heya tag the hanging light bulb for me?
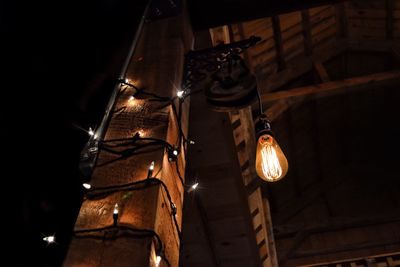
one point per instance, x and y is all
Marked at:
(271, 163)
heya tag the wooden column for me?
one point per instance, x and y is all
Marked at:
(276, 25)
(156, 66)
(305, 21)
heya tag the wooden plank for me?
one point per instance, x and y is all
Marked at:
(389, 19)
(315, 191)
(297, 67)
(341, 20)
(305, 16)
(278, 42)
(322, 73)
(335, 224)
(370, 45)
(336, 86)
(347, 248)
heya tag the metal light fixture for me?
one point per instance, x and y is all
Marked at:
(232, 87)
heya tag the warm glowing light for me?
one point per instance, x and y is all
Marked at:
(87, 186)
(49, 239)
(175, 152)
(131, 98)
(91, 132)
(194, 186)
(191, 142)
(126, 80)
(151, 167)
(271, 163)
(158, 260)
(116, 208)
(180, 93)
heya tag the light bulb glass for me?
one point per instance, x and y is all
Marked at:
(158, 260)
(115, 209)
(194, 186)
(271, 163)
(87, 186)
(151, 167)
(49, 239)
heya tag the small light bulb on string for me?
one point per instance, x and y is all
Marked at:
(115, 214)
(91, 132)
(151, 169)
(116, 208)
(87, 186)
(158, 260)
(49, 239)
(193, 187)
(180, 93)
(173, 154)
(192, 142)
(131, 98)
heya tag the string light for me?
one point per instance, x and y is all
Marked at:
(91, 132)
(136, 145)
(193, 187)
(50, 239)
(115, 209)
(151, 169)
(115, 214)
(158, 260)
(180, 93)
(86, 186)
(191, 142)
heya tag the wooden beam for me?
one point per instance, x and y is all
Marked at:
(335, 224)
(230, 12)
(246, 52)
(315, 191)
(347, 248)
(321, 71)
(334, 87)
(298, 66)
(305, 21)
(276, 26)
(341, 20)
(361, 44)
(389, 19)
(395, 52)
(207, 230)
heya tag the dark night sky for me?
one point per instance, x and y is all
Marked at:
(60, 60)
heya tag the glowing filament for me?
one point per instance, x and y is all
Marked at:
(271, 163)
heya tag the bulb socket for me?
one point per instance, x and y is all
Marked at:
(263, 126)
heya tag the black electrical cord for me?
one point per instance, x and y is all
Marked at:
(259, 102)
(99, 192)
(83, 233)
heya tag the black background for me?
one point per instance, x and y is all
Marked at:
(60, 61)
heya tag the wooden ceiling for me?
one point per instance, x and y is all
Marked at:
(329, 78)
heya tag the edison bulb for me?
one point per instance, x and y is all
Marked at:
(271, 163)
